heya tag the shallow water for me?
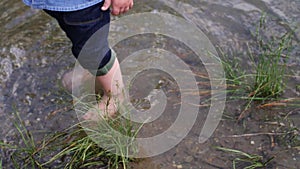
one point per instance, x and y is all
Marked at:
(35, 53)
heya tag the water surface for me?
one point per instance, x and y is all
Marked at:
(35, 53)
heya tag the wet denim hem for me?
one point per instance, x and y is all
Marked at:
(104, 70)
(62, 9)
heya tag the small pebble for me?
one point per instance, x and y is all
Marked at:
(252, 142)
(179, 166)
(161, 82)
(188, 159)
(27, 123)
(38, 119)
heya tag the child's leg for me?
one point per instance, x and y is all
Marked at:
(112, 85)
(79, 26)
(110, 77)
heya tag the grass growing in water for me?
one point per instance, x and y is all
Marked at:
(270, 67)
(232, 70)
(264, 83)
(266, 80)
(252, 160)
(73, 148)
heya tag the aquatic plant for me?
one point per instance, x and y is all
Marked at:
(73, 148)
(251, 161)
(270, 66)
(266, 80)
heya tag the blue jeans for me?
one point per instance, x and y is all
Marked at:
(79, 26)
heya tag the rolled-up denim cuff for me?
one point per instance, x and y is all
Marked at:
(105, 69)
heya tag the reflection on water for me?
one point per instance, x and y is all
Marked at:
(34, 54)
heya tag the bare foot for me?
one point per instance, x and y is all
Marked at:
(107, 108)
(68, 80)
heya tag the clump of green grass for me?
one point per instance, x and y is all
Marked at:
(116, 136)
(235, 76)
(79, 146)
(27, 154)
(266, 80)
(268, 62)
(73, 149)
(270, 66)
(251, 161)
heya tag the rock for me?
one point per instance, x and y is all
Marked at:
(27, 123)
(179, 166)
(189, 159)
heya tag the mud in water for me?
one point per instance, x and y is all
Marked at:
(35, 53)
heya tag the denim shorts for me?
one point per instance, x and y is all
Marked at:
(79, 26)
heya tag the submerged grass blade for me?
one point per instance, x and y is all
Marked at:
(271, 68)
(253, 160)
(236, 152)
